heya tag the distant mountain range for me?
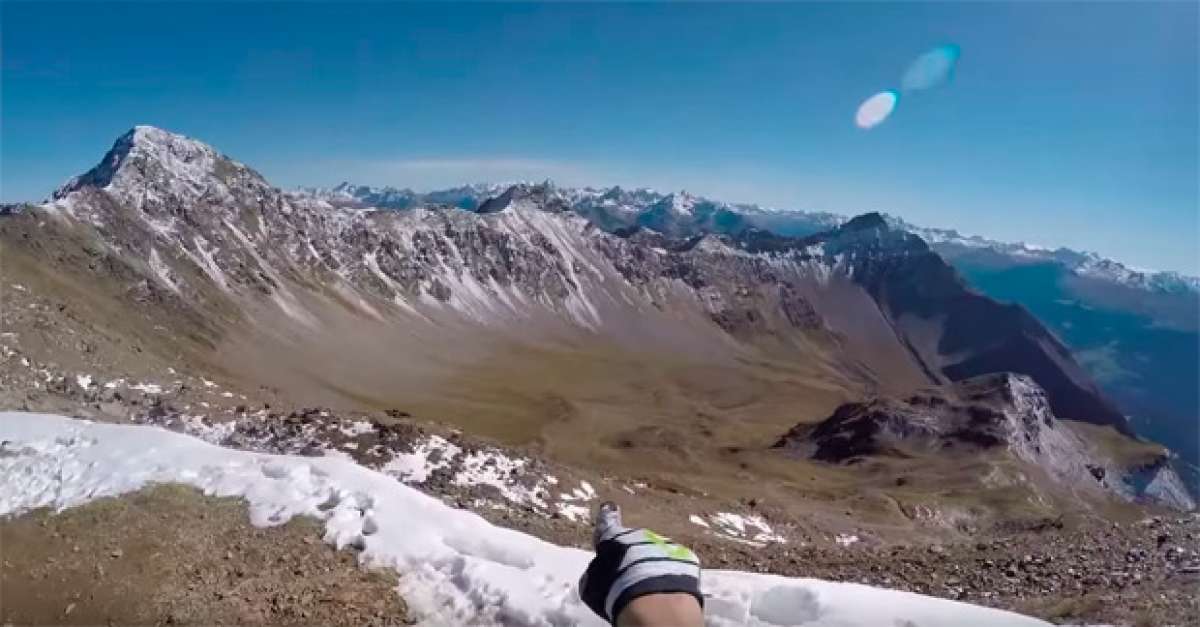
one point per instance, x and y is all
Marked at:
(682, 213)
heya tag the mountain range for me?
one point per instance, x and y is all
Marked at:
(615, 207)
(614, 330)
(1136, 332)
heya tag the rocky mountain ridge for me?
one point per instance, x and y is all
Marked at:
(1082, 263)
(616, 207)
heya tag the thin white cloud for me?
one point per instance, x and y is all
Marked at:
(439, 172)
(502, 163)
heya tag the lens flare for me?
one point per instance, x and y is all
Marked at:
(933, 68)
(876, 109)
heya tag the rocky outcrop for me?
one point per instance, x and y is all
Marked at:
(1158, 482)
(993, 412)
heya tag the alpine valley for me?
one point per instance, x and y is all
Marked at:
(794, 392)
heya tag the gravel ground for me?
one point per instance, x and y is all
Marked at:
(1146, 573)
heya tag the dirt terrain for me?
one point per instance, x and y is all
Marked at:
(169, 555)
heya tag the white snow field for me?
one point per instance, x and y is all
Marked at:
(455, 567)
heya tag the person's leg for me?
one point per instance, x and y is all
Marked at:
(639, 578)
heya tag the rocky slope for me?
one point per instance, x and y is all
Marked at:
(920, 291)
(1139, 573)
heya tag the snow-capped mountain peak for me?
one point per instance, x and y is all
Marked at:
(683, 203)
(149, 166)
(1095, 266)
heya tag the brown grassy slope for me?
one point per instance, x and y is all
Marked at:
(113, 315)
(167, 554)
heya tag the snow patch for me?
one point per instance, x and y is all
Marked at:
(845, 539)
(206, 262)
(428, 456)
(494, 469)
(584, 492)
(573, 513)
(197, 426)
(162, 271)
(749, 529)
(356, 428)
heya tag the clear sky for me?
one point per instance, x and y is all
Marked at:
(1066, 123)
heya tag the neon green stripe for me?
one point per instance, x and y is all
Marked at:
(674, 551)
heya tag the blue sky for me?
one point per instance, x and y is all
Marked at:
(1066, 124)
